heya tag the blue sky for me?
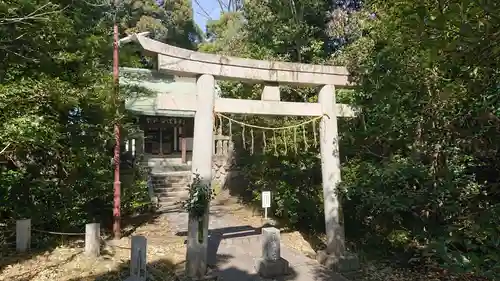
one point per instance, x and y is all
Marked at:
(211, 7)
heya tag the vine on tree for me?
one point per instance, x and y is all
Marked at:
(200, 195)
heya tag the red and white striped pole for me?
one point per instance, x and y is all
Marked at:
(117, 183)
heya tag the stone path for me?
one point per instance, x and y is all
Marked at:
(234, 247)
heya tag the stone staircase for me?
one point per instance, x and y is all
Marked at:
(170, 179)
(170, 189)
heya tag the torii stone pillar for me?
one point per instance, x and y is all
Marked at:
(330, 171)
(196, 255)
(335, 255)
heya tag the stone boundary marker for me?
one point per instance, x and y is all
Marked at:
(138, 253)
(92, 237)
(271, 264)
(138, 259)
(23, 235)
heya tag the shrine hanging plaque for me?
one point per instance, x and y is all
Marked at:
(176, 121)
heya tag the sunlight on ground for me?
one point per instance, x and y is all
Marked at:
(166, 253)
(68, 263)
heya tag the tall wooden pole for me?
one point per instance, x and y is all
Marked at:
(116, 184)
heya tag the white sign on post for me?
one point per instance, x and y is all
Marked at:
(266, 201)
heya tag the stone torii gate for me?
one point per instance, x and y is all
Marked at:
(208, 67)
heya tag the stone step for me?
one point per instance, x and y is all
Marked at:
(166, 164)
(170, 178)
(172, 174)
(176, 168)
(167, 198)
(167, 189)
(173, 194)
(171, 181)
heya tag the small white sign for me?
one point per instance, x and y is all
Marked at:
(266, 199)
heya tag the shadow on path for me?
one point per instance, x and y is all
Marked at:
(164, 270)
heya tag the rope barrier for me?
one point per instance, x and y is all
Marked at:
(271, 128)
(274, 139)
(59, 233)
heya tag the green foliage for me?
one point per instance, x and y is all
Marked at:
(422, 171)
(170, 22)
(57, 116)
(294, 181)
(200, 195)
(420, 163)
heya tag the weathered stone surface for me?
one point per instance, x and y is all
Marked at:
(271, 264)
(330, 172)
(271, 244)
(182, 62)
(138, 271)
(348, 262)
(272, 268)
(92, 239)
(202, 164)
(23, 235)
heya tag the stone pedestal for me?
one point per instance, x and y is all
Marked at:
(271, 264)
(272, 269)
(345, 263)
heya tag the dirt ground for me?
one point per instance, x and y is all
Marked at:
(166, 253)
(68, 263)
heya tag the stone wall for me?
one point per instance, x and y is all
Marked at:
(222, 160)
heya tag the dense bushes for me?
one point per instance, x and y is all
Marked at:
(295, 184)
(421, 162)
(57, 115)
(58, 168)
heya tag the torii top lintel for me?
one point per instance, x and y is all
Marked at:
(190, 63)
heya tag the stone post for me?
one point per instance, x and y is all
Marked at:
(271, 264)
(335, 254)
(330, 170)
(92, 239)
(138, 258)
(196, 255)
(23, 235)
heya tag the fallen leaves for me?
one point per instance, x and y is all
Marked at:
(68, 262)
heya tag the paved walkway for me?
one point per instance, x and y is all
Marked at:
(233, 249)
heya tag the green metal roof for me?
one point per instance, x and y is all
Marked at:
(158, 84)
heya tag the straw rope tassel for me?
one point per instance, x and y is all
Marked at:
(264, 140)
(243, 137)
(251, 134)
(275, 143)
(283, 135)
(314, 133)
(220, 125)
(306, 146)
(271, 128)
(274, 138)
(295, 139)
(215, 122)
